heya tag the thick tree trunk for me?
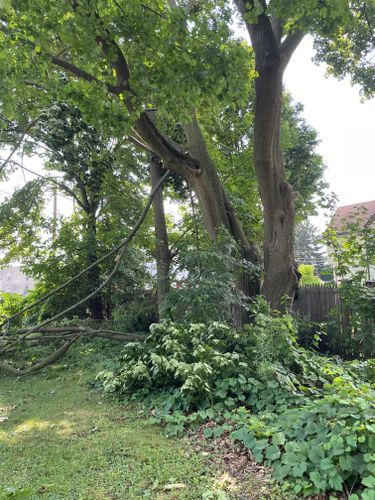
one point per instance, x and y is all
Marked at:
(280, 279)
(163, 258)
(93, 275)
(218, 212)
(272, 56)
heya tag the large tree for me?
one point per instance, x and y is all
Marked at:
(118, 60)
(344, 39)
(94, 172)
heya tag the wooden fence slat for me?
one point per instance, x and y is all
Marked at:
(316, 302)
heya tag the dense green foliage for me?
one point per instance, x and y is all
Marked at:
(95, 88)
(308, 276)
(205, 281)
(311, 418)
(353, 253)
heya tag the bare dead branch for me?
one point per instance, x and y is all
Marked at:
(139, 143)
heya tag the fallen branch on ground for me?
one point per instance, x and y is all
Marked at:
(10, 370)
(60, 333)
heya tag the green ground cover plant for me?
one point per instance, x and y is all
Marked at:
(311, 418)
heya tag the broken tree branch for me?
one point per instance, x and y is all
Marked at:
(118, 259)
(42, 364)
(119, 247)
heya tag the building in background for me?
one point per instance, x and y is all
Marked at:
(363, 216)
(13, 280)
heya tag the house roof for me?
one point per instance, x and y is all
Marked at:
(363, 213)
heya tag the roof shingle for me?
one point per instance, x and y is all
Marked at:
(363, 213)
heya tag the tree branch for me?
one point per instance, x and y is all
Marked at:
(123, 244)
(123, 247)
(62, 186)
(289, 45)
(45, 362)
(146, 128)
(18, 144)
(81, 73)
(262, 36)
(86, 330)
(277, 28)
(139, 143)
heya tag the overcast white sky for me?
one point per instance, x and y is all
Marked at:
(346, 127)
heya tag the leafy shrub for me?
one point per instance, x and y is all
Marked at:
(352, 329)
(11, 303)
(308, 277)
(136, 315)
(208, 291)
(328, 443)
(311, 418)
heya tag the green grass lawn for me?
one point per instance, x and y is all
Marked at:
(61, 440)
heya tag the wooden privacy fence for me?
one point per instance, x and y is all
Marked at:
(316, 302)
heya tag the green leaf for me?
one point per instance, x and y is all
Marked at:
(278, 438)
(369, 481)
(208, 432)
(300, 469)
(290, 458)
(368, 494)
(272, 452)
(335, 482)
(260, 444)
(316, 455)
(326, 464)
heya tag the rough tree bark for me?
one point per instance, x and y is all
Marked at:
(218, 212)
(163, 258)
(272, 55)
(93, 275)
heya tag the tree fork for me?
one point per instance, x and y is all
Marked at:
(272, 55)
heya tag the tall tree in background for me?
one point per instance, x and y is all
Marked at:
(85, 166)
(162, 251)
(344, 38)
(84, 159)
(308, 247)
